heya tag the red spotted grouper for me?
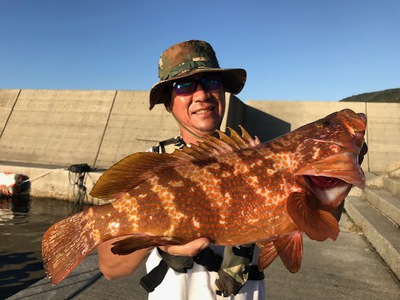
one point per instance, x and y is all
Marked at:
(233, 189)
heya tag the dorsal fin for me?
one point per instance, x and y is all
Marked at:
(134, 169)
(128, 173)
(212, 146)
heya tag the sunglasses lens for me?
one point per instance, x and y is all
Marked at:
(185, 88)
(188, 88)
(210, 84)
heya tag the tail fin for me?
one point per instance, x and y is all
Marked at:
(65, 245)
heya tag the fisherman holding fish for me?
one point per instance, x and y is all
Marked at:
(192, 88)
(232, 189)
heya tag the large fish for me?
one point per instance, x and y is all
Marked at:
(232, 189)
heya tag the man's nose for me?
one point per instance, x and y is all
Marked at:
(200, 94)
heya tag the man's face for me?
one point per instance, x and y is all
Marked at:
(202, 106)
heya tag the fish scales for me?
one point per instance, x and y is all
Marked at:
(233, 190)
(189, 202)
(202, 194)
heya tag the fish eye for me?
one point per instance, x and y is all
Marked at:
(323, 124)
(326, 123)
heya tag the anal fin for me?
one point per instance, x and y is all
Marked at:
(267, 255)
(137, 242)
(290, 250)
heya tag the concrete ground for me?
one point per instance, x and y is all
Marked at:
(347, 268)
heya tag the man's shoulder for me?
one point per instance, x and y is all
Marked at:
(169, 145)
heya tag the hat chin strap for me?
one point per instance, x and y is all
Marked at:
(187, 129)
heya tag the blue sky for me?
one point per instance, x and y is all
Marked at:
(313, 50)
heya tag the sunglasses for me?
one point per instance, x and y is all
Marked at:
(189, 87)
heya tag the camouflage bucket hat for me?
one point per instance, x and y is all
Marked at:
(188, 58)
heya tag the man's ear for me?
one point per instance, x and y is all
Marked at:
(167, 99)
(168, 107)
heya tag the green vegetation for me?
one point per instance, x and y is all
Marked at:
(388, 96)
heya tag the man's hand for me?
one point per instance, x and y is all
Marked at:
(190, 249)
(363, 152)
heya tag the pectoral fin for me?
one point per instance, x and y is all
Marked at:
(317, 224)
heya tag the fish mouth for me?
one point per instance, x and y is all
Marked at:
(331, 179)
(329, 191)
(325, 182)
(332, 170)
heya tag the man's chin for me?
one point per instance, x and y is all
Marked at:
(207, 130)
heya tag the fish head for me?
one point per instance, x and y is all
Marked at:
(328, 156)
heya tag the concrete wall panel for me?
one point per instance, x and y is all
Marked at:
(56, 127)
(298, 113)
(133, 127)
(7, 102)
(384, 136)
(60, 128)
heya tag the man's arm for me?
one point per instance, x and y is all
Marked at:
(114, 266)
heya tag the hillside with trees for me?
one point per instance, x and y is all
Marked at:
(387, 96)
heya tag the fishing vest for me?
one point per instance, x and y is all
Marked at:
(233, 269)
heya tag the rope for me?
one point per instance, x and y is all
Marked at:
(38, 177)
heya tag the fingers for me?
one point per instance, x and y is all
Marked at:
(363, 151)
(337, 213)
(190, 249)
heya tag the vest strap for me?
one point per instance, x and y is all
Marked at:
(153, 279)
(255, 274)
(206, 258)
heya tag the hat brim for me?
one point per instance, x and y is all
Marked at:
(233, 81)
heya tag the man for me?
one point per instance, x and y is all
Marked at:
(192, 87)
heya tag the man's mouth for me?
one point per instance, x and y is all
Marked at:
(204, 111)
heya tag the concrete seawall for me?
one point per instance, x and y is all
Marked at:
(43, 132)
